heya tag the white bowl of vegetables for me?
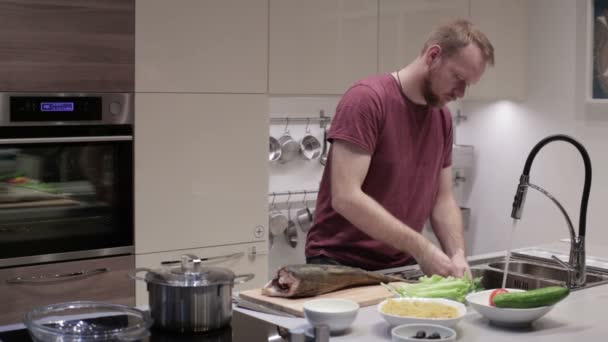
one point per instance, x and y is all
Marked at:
(515, 307)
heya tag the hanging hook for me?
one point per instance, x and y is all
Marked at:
(304, 198)
(308, 126)
(286, 125)
(274, 196)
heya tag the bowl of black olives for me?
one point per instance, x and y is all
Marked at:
(422, 332)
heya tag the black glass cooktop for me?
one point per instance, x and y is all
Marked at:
(242, 328)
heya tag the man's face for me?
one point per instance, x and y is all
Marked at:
(448, 77)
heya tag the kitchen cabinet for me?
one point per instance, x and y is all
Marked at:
(506, 25)
(38, 286)
(238, 258)
(321, 46)
(405, 25)
(201, 170)
(201, 46)
(67, 46)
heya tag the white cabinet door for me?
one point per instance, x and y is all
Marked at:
(321, 46)
(212, 46)
(506, 25)
(406, 24)
(244, 263)
(201, 170)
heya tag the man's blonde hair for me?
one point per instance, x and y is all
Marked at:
(457, 34)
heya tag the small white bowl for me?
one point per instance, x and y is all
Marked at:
(337, 314)
(480, 301)
(394, 320)
(405, 332)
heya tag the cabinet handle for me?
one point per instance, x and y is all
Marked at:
(65, 139)
(56, 277)
(227, 256)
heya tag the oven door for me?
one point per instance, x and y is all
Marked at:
(66, 192)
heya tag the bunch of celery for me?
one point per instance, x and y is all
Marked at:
(437, 286)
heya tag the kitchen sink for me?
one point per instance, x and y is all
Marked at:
(526, 274)
(543, 271)
(547, 271)
(492, 279)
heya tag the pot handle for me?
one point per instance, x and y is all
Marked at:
(133, 274)
(247, 276)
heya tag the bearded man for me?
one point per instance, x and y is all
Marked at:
(389, 167)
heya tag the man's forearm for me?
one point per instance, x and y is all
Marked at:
(446, 221)
(374, 220)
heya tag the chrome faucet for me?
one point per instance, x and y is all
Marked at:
(576, 265)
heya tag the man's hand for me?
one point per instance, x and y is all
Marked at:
(461, 266)
(433, 261)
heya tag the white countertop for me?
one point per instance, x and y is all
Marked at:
(581, 316)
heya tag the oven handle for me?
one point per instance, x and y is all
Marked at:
(66, 139)
(56, 277)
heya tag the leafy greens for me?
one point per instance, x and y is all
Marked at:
(437, 286)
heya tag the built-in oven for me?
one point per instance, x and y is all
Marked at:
(66, 176)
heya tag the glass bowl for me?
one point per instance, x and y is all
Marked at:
(87, 321)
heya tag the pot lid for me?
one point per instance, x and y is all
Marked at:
(191, 274)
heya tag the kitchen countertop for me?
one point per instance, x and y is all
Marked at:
(581, 316)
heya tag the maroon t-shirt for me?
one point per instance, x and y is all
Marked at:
(409, 144)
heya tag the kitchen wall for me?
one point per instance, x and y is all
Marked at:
(504, 133)
(298, 174)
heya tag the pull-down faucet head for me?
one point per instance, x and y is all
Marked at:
(520, 197)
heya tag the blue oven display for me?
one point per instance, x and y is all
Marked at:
(56, 106)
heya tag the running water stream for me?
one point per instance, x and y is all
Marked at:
(508, 259)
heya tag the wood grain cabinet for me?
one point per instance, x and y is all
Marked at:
(202, 46)
(321, 46)
(24, 288)
(237, 258)
(506, 25)
(67, 45)
(201, 170)
(405, 24)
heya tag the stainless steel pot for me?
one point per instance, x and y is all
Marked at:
(289, 147)
(190, 297)
(305, 218)
(274, 149)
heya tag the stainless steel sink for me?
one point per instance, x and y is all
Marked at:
(542, 271)
(547, 271)
(492, 279)
(523, 273)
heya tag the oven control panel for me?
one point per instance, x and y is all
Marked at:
(29, 108)
(24, 109)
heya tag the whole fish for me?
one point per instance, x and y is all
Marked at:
(308, 280)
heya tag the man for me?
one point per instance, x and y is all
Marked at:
(389, 167)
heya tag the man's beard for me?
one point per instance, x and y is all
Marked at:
(427, 92)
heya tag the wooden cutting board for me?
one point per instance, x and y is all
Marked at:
(364, 295)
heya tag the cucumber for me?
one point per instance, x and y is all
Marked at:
(531, 299)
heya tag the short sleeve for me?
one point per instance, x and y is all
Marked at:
(358, 118)
(448, 136)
